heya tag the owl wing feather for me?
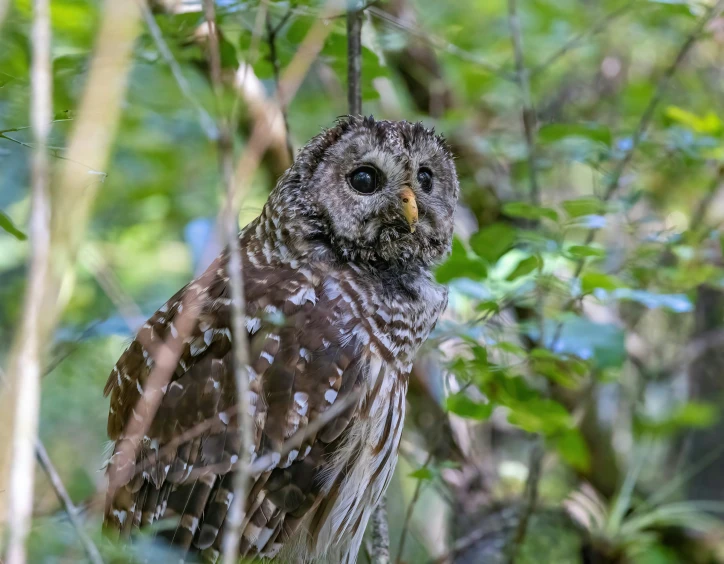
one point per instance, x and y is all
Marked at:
(302, 361)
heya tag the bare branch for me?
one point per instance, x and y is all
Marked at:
(108, 281)
(291, 79)
(25, 367)
(354, 58)
(440, 44)
(165, 360)
(206, 121)
(700, 213)
(4, 6)
(576, 40)
(271, 34)
(528, 112)
(531, 499)
(70, 509)
(263, 463)
(380, 549)
(235, 518)
(410, 509)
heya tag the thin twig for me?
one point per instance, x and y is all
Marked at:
(614, 180)
(265, 462)
(271, 34)
(235, 518)
(70, 509)
(531, 499)
(354, 58)
(206, 121)
(528, 111)
(291, 79)
(576, 40)
(27, 371)
(440, 44)
(410, 510)
(463, 543)
(380, 545)
(703, 206)
(128, 309)
(165, 359)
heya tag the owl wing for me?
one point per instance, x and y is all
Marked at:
(303, 359)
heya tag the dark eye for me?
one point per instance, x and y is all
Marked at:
(424, 177)
(364, 179)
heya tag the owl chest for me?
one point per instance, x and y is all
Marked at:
(363, 466)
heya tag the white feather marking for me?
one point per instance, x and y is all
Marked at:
(120, 515)
(253, 324)
(301, 399)
(172, 328)
(268, 357)
(224, 417)
(330, 395)
(303, 295)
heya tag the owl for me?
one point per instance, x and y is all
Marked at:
(339, 296)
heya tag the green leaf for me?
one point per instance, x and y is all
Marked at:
(540, 415)
(553, 132)
(460, 265)
(707, 124)
(7, 224)
(489, 306)
(528, 211)
(585, 251)
(511, 348)
(422, 474)
(526, 266)
(592, 280)
(584, 206)
(462, 405)
(573, 449)
(691, 415)
(493, 241)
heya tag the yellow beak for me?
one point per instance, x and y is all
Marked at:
(409, 207)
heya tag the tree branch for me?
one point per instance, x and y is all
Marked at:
(354, 58)
(535, 467)
(380, 549)
(25, 371)
(206, 121)
(70, 509)
(528, 112)
(410, 509)
(235, 518)
(271, 32)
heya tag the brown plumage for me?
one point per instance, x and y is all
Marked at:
(339, 297)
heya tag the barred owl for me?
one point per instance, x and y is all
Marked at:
(339, 297)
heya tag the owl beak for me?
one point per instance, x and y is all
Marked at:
(409, 207)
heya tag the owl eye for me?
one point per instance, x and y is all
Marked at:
(364, 179)
(424, 177)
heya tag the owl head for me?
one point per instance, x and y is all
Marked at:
(381, 193)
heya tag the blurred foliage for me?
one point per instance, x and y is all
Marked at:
(602, 347)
